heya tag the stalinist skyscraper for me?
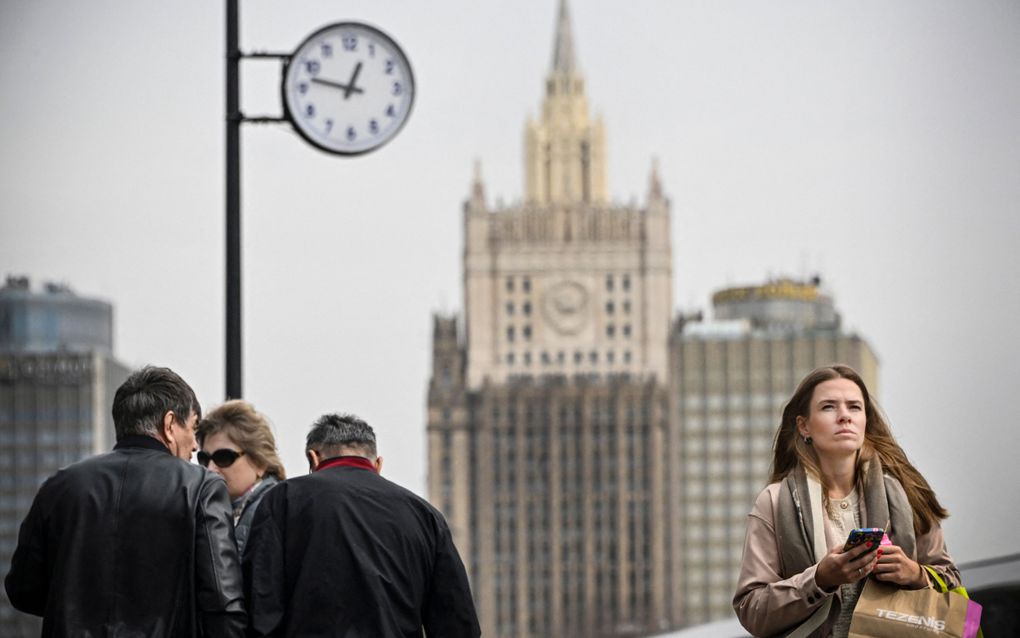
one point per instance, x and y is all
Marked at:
(548, 404)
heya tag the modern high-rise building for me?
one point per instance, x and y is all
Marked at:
(730, 378)
(548, 404)
(57, 380)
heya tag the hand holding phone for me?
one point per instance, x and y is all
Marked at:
(858, 536)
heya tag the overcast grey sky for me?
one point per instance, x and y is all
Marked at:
(876, 143)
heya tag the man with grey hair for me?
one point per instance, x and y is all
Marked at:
(345, 552)
(137, 541)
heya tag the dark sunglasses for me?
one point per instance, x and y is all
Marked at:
(224, 457)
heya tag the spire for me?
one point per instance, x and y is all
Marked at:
(564, 151)
(654, 182)
(477, 186)
(563, 49)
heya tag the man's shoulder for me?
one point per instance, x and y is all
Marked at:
(85, 467)
(356, 480)
(144, 461)
(414, 502)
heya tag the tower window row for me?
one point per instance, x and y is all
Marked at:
(511, 333)
(525, 284)
(611, 307)
(612, 281)
(624, 330)
(560, 358)
(525, 308)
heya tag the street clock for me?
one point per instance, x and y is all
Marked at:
(348, 88)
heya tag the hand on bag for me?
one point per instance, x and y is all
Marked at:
(894, 566)
(839, 567)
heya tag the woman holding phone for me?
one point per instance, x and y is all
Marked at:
(836, 467)
(237, 443)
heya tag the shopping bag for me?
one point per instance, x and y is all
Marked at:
(885, 610)
(972, 626)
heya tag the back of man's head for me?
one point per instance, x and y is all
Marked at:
(143, 400)
(341, 434)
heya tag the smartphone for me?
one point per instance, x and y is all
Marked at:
(858, 536)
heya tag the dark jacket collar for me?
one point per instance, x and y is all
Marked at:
(346, 461)
(142, 441)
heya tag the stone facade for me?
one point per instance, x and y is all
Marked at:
(548, 405)
(596, 460)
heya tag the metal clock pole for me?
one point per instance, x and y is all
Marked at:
(234, 119)
(233, 194)
(393, 71)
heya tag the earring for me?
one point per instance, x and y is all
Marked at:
(807, 440)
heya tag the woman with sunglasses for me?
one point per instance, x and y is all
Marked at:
(237, 443)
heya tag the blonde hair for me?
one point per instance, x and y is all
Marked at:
(790, 449)
(248, 429)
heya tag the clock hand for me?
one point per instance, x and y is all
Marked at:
(350, 85)
(345, 87)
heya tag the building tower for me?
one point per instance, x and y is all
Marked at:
(548, 404)
(730, 379)
(57, 380)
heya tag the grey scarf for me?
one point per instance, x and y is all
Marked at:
(885, 505)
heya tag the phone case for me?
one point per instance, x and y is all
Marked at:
(858, 536)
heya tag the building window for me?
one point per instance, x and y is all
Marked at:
(526, 332)
(527, 358)
(609, 283)
(561, 357)
(545, 358)
(626, 356)
(526, 307)
(526, 284)
(610, 356)
(610, 308)
(578, 357)
(509, 284)
(510, 358)
(510, 333)
(610, 331)
(626, 282)
(626, 330)
(509, 307)
(626, 307)
(593, 357)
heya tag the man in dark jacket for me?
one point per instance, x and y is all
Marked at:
(135, 542)
(344, 552)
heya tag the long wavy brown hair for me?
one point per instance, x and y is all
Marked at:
(248, 429)
(791, 450)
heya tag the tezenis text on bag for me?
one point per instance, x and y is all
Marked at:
(927, 622)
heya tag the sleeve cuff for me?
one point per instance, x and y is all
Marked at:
(813, 594)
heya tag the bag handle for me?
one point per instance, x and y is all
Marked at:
(942, 587)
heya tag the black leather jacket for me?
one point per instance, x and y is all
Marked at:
(135, 542)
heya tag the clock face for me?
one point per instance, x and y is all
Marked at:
(348, 88)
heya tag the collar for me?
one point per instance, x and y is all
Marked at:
(346, 461)
(142, 441)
